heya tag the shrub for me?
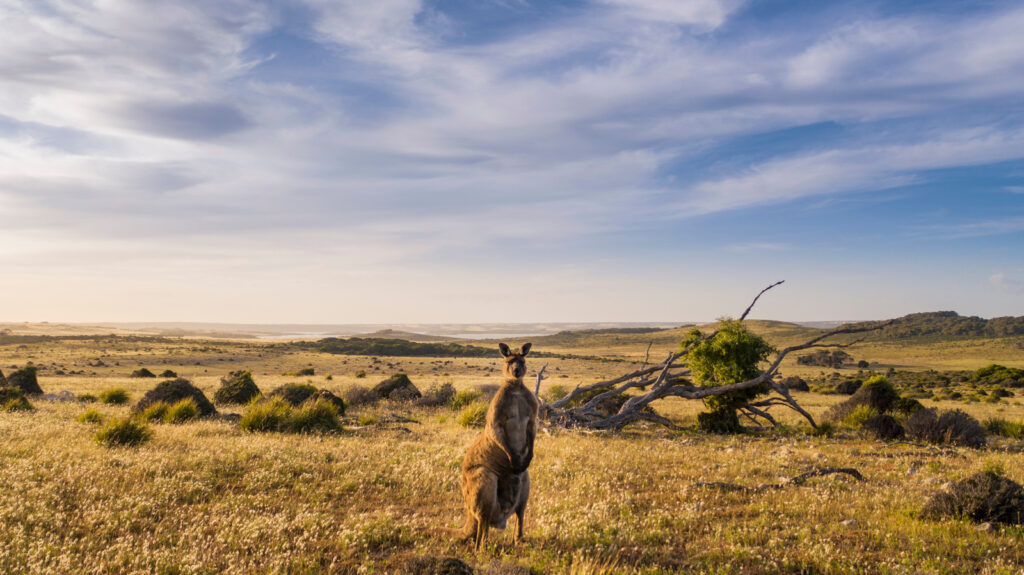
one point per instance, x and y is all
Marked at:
(306, 371)
(848, 387)
(91, 416)
(954, 427)
(438, 395)
(19, 403)
(858, 415)
(155, 411)
(985, 496)
(719, 421)
(25, 379)
(168, 373)
(123, 432)
(474, 415)
(182, 411)
(1000, 426)
(876, 392)
(236, 388)
(114, 396)
(796, 383)
(360, 374)
(88, 398)
(142, 372)
(171, 392)
(907, 406)
(368, 419)
(731, 356)
(863, 364)
(397, 387)
(884, 427)
(556, 392)
(464, 398)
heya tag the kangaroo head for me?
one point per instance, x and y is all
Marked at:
(515, 361)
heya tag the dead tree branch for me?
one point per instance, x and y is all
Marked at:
(672, 381)
(798, 480)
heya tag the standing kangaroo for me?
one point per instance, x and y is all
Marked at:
(495, 480)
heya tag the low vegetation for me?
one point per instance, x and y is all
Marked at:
(123, 432)
(278, 415)
(114, 396)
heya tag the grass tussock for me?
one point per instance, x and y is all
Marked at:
(465, 397)
(277, 415)
(1002, 427)
(114, 396)
(90, 415)
(123, 432)
(237, 388)
(473, 415)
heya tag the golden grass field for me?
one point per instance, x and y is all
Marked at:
(206, 497)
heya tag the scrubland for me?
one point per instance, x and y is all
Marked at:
(378, 497)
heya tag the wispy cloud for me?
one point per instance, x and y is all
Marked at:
(398, 130)
(1008, 283)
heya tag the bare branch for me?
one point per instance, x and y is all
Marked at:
(798, 480)
(540, 377)
(757, 297)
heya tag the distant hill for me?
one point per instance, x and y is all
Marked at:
(397, 347)
(405, 335)
(950, 325)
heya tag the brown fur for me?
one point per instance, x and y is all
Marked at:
(495, 480)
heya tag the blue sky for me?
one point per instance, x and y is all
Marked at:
(507, 160)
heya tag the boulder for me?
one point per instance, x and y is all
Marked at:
(172, 391)
(294, 393)
(25, 380)
(236, 388)
(398, 386)
(982, 497)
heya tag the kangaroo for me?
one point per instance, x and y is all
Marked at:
(495, 480)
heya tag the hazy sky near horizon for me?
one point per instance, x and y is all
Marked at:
(509, 160)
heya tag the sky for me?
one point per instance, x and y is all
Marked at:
(509, 160)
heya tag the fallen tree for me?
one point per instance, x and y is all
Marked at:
(672, 378)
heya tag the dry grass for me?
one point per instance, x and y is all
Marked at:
(206, 497)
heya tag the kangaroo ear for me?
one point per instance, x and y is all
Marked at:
(526, 349)
(505, 351)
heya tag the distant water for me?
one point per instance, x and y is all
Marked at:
(495, 335)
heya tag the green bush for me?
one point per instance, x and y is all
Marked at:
(719, 421)
(182, 411)
(437, 395)
(474, 415)
(907, 406)
(142, 372)
(168, 373)
(464, 398)
(859, 415)
(91, 416)
(155, 411)
(360, 374)
(265, 415)
(25, 379)
(123, 432)
(88, 398)
(114, 396)
(556, 392)
(294, 393)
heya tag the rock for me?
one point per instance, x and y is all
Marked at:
(173, 391)
(294, 393)
(398, 386)
(59, 396)
(236, 388)
(982, 497)
(848, 522)
(985, 527)
(25, 380)
(334, 400)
